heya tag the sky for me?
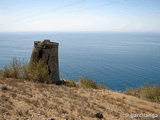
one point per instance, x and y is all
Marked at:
(79, 15)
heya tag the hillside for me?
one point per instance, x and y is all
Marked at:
(21, 99)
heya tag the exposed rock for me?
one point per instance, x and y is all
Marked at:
(61, 82)
(99, 115)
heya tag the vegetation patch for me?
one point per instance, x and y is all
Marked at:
(90, 83)
(35, 71)
(146, 92)
(13, 70)
(38, 72)
(1, 72)
(70, 83)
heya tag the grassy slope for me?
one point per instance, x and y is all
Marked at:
(23, 99)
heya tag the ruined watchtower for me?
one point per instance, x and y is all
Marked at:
(48, 52)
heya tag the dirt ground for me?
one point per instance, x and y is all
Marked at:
(25, 100)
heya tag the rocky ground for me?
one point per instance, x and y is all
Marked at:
(23, 100)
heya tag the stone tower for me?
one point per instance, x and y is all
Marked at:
(48, 52)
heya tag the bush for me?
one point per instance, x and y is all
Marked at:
(90, 83)
(1, 72)
(70, 83)
(13, 70)
(146, 92)
(35, 71)
(101, 86)
(150, 92)
(133, 92)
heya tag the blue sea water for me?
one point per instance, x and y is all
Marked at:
(118, 60)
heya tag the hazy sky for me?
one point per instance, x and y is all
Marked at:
(79, 15)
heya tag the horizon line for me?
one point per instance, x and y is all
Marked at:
(80, 31)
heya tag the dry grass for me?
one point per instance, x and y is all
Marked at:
(21, 99)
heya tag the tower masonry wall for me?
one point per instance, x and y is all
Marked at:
(47, 52)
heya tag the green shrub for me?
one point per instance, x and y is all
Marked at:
(70, 83)
(90, 83)
(150, 92)
(35, 71)
(6, 72)
(133, 92)
(1, 72)
(13, 70)
(146, 92)
(101, 86)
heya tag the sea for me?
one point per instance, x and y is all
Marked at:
(118, 60)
